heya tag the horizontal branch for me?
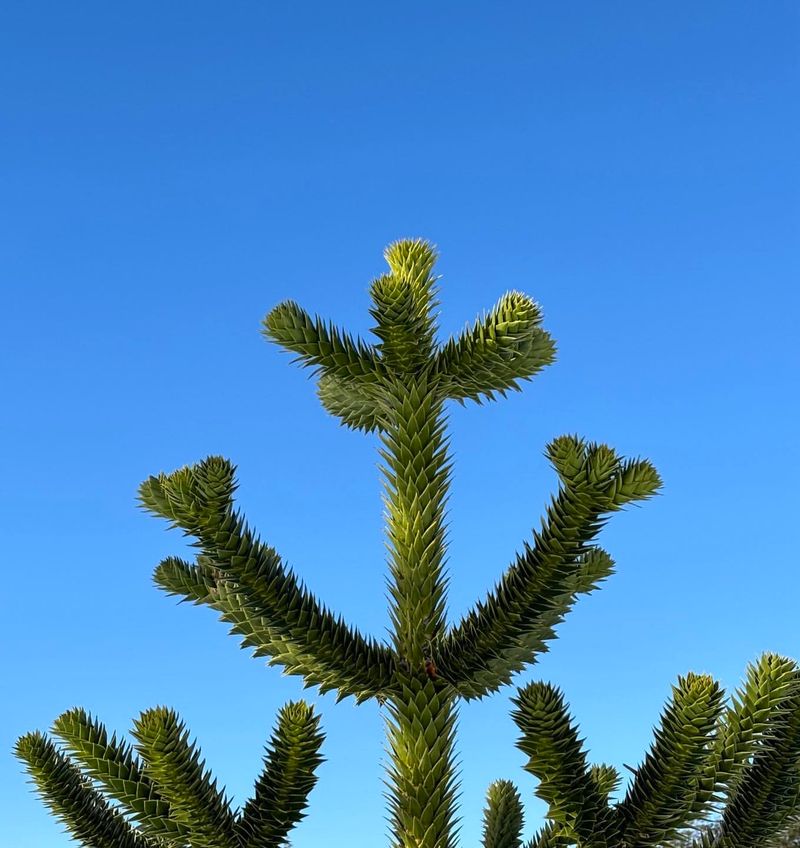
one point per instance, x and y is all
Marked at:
(503, 347)
(319, 345)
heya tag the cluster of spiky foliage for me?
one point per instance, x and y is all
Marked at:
(704, 755)
(397, 388)
(738, 762)
(158, 794)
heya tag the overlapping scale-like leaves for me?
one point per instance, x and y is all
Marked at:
(502, 348)
(503, 816)
(550, 836)
(309, 638)
(663, 793)
(505, 631)
(716, 776)
(755, 712)
(402, 305)
(358, 404)
(112, 764)
(606, 778)
(421, 777)
(202, 583)
(577, 803)
(416, 473)
(766, 797)
(72, 798)
(174, 764)
(282, 790)
(161, 795)
(319, 345)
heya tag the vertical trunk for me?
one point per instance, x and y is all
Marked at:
(422, 773)
(421, 723)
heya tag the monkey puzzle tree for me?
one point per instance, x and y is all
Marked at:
(739, 760)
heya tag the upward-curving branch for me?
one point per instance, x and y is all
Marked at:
(247, 581)
(739, 763)
(505, 632)
(164, 797)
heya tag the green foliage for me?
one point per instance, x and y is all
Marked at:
(576, 799)
(403, 304)
(71, 797)
(505, 346)
(200, 500)
(736, 766)
(286, 781)
(661, 798)
(503, 817)
(112, 764)
(164, 796)
(505, 632)
(173, 763)
(688, 774)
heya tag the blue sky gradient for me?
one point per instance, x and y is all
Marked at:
(172, 171)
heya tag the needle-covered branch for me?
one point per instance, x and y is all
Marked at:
(740, 763)
(358, 403)
(112, 764)
(755, 712)
(767, 796)
(550, 836)
(402, 306)
(503, 816)
(295, 625)
(577, 802)
(663, 794)
(606, 778)
(321, 346)
(69, 794)
(282, 790)
(203, 583)
(174, 764)
(505, 632)
(502, 348)
(166, 792)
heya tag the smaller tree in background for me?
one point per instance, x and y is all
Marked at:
(736, 762)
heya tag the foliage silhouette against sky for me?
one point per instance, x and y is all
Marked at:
(171, 174)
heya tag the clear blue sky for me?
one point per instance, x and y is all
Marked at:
(172, 171)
